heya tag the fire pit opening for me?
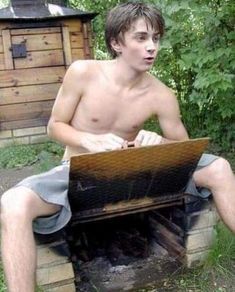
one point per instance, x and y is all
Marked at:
(121, 240)
(130, 252)
(126, 252)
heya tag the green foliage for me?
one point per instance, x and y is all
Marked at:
(152, 125)
(217, 274)
(198, 49)
(196, 59)
(223, 250)
(46, 155)
(3, 287)
(17, 156)
(4, 3)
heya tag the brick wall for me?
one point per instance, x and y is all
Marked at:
(23, 136)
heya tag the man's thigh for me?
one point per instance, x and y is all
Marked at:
(50, 190)
(198, 185)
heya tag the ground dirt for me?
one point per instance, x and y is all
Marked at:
(10, 177)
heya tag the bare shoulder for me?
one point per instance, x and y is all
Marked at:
(85, 68)
(163, 99)
(161, 91)
(79, 74)
(166, 108)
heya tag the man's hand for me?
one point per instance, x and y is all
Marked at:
(145, 138)
(104, 142)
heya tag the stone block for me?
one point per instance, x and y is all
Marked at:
(47, 256)
(64, 288)
(14, 141)
(196, 258)
(196, 220)
(54, 269)
(39, 139)
(20, 140)
(200, 239)
(5, 134)
(6, 142)
(55, 274)
(29, 131)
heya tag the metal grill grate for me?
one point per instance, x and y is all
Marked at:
(133, 178)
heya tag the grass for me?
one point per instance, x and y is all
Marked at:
(217, 273)
(45, 155)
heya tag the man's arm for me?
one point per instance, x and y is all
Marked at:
(169, 118)
(67, 100)
(168, 114)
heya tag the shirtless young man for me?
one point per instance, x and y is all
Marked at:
(100, 106)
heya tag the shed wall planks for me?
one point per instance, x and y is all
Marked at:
(35, 122)
(29, 83)
(35, 31)
(1, 45)
(12, 95)
(2, 62)
(40, 41)
(16, 112)
(40, 59)
(31, 76)
(67, 47)
(6, 39)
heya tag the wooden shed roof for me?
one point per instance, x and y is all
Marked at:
(40, 10)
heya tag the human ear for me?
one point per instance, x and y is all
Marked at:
(115, 44)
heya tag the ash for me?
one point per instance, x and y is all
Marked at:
(119, 255)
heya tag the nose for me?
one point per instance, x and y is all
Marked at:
(150, 49)
(150, 46)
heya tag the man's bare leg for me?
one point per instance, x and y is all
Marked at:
(19, 207)
(219, 178)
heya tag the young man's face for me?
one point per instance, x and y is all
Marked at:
(140, 45)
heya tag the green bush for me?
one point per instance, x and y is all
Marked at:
(47, 155)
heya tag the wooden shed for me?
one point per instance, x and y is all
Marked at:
(38, 41)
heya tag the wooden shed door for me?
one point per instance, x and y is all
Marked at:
(33, 68)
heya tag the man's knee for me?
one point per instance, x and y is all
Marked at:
(215, 174)
(218, 172)
(16, 204)
(219, 169)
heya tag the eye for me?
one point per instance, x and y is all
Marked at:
(156, 38)
(141, 38)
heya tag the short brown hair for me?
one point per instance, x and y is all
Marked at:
(121, 17)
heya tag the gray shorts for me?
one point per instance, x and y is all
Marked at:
(52, 187)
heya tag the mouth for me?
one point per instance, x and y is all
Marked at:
(149, 59)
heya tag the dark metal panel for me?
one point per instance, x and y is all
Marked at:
(29, 10)
(27, 2)
(33, 24)
(19, 50)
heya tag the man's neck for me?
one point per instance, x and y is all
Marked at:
(124, 76)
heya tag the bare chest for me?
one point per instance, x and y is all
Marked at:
(104, 110)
